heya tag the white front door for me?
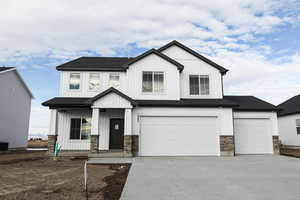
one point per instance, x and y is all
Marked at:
(179, 136)
(253, 136)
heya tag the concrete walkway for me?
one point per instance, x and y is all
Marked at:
(214, 178)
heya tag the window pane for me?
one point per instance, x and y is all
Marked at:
(158, 85)
(204, 85)
(75, 129)
(94, 81)
(147, 82)
(298, 122)
(74, 81)
(85, 128)
(114, 80)
(194, 85)
(298, 130)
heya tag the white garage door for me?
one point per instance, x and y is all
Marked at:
(179, 136)
(253, 136)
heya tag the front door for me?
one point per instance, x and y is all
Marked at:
(116, 132)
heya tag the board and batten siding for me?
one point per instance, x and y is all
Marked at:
(195, 66)
(64, 123)
(84, 91)
(288, 131)
(15, 103)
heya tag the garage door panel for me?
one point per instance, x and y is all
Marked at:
(171, 136)
(253, 136)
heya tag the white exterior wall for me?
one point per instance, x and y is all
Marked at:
(287, 130)
(112, 100)
(153, 63)
(64, 90)
(224, 116)
(195, 66)
(15, 103)
(272, 116)
(64, 123)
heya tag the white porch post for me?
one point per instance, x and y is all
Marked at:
(95, 131)
(52, 135)
(127, 149)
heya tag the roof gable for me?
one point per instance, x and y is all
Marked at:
(194, 53)
(290, 106)
(154, 51)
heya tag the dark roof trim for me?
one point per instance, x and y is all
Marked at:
(290, 106)
(3, 69)
(154, 51)
(194, 53)
(110, 90)
(67, 102)
(105, 69)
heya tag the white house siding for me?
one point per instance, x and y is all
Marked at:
(112, 100)
(84, 91)
(64, 120)
(153, 63)
(15, 104)
(193, 65)
(287, 130)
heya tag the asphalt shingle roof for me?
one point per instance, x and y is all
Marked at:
(251, 103)
(5, 68)
(290, 106)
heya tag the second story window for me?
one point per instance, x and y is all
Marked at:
(199, 85)
(94, 81)
(114, 80)
(153, 82)
(298, 126)
(74, 83)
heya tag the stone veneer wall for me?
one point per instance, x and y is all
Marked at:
(94, 144)
(51, 143)
(276, 144)
(135, 145)
(227, 145)
(127, 149)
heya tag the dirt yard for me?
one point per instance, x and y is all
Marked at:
(290, 152)
(44, 178)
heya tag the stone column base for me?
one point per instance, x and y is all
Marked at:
(276, 144)
(94, 148)
(127, 148)
(51, 143)
(226, 145)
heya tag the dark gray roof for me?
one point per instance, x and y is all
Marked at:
(290, 106)
(95, 64)
(154, 51)
(5, 68)
(208, 61)
(67, 102)
(251, 103)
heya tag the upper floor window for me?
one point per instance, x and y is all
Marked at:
(199, 85)
(298, 126)
(94, 81)
(153, 82)
(74, 83)
(114, 80)
(80, 128)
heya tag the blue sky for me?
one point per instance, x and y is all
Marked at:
(258, 41)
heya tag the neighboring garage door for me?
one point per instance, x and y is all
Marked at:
(179, 136)
(253, 136)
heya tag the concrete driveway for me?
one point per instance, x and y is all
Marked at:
(214, 178)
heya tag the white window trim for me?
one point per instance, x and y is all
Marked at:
(78, 140)
(94, 90)
(199, 95)
(69, 81)
(154, 93)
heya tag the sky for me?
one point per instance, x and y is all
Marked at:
(257, 40)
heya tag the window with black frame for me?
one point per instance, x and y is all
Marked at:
(298, 126)
(80, 128)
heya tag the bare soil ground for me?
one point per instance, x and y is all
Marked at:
(290, 152)
(37, 143)
(63, 179)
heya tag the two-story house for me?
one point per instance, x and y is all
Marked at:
(164, 102)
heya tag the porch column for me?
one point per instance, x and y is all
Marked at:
(128, 132)
(52, 135)
(95, 131)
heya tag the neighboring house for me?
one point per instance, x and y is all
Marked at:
(15, 103)
(289, 122)
(164, 102)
